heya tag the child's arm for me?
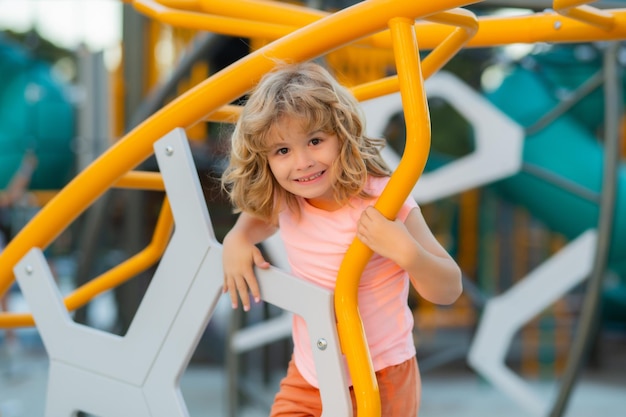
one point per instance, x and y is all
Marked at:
(239, 256)
(434, 273)
(18, 184)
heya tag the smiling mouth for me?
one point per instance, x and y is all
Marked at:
(311, 178)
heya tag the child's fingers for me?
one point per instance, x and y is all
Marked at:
(242, 290)
(253, 284)
(231, 288)
(259, 260)
(242, 284)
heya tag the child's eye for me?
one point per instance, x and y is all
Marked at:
(282, 151)
(316, 141)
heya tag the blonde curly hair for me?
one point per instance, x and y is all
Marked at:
(309, 91)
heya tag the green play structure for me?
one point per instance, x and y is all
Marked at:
(568, 148)
(35, 114)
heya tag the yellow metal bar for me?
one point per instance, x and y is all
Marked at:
(141, 180)
(132, 266)
(216, 24)
(467, 27)
(538, 27)
(579, 10)
(179, 4)
(267, 11)
(349, 325)
(494, 31)
(14, 320)
(226, 114)
(373, 89)
(111, 278)
(43, 196)
(286, 15)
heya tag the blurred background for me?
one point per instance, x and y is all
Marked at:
(75, 76)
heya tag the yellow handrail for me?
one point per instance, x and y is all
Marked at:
(538, 27)
(467, 26)
(141, 180)
(269, 11)
(217, 24)
(114, 276)
(579, 10)
(349, 326)
(228, 114)
(178, 4)
(494, 31)
(488, 31)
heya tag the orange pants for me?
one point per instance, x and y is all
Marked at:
(399, 388)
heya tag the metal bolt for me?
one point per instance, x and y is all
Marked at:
(557, 25)
(169, 150)
(29, 269)
(322, 344)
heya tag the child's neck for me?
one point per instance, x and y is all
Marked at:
(324, 204)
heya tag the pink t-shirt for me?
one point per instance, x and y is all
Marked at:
(316, 244)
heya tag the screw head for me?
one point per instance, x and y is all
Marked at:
(322, 344)
(29, 269)
(169, 150)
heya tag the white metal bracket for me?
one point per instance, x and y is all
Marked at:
(138, 374)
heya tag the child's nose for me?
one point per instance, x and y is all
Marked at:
(305, 160)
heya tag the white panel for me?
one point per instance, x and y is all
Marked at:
(498, 139)
(505, 314)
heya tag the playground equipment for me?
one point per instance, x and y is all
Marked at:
(35, 114)
(138, 373)
(151, 387)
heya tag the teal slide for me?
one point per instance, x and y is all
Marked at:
(568, 149)
(35, 115)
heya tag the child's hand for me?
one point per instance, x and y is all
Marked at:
(239, 258)
(385, 237)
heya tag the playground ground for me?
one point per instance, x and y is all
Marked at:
(448, 391)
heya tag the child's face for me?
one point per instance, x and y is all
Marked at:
(301, 161)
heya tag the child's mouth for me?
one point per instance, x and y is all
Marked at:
(311, 178)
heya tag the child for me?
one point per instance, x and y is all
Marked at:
(301, 163)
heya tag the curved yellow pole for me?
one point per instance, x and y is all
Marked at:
(178, 4)
(579, 10)
(130, 267)
(268, 11)
(467, 26)
(591, 24)
(284, 17)
(537, 27)
(228, 114)
(349, 325)
(216, 24)
(141, 180)
(113, 277)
